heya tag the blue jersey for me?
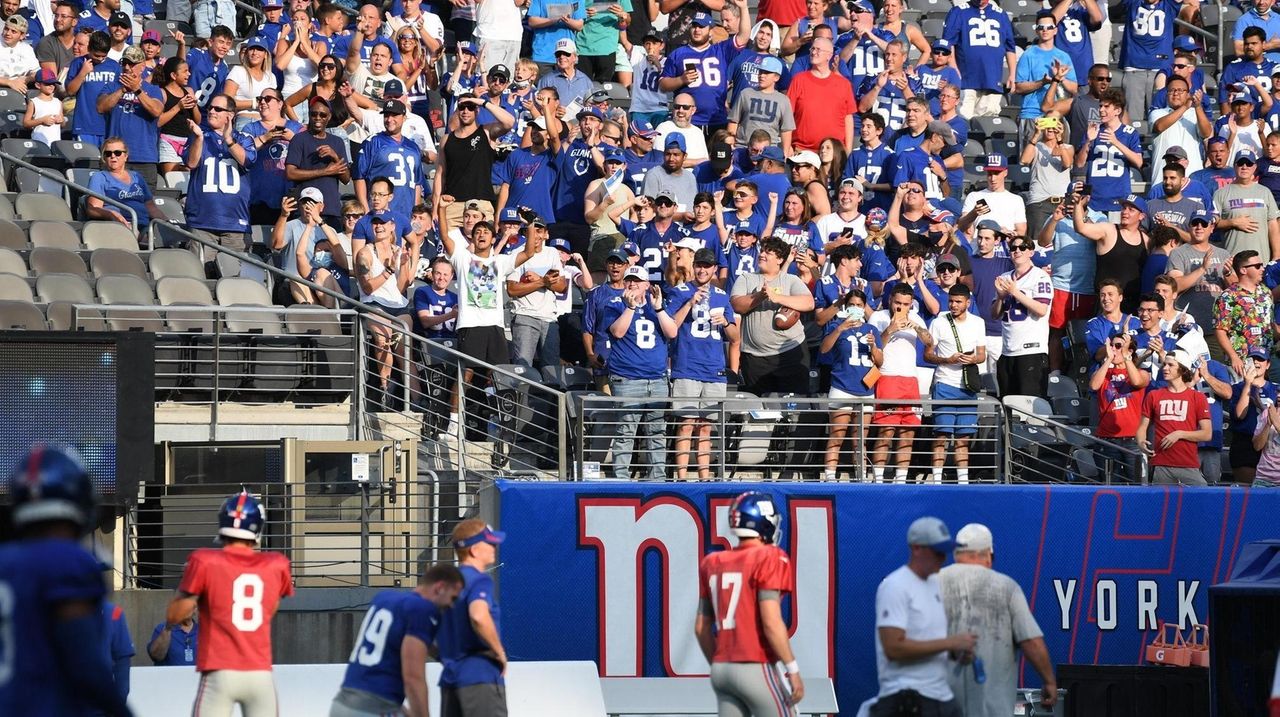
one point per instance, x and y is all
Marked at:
(710, 238)
(574, 171)
(850, 359)
(876, 166)
(374, 665)
(592, 323)
(904, 140)
(1074, 39)
(767, 183)
(530, 180)
(510, 103)
(1147, 43)
(435, 303)
(1247, 423)
(876, 264)
(35, 577)
(87, 120)
(981, 37)
(130, 121)
(641, 353)
(699, 346)
(891, 102)
(266, 172)
(711, 88)
(1107, 171)
(754, 221)
(931, 83)
(207, 77)
(1099, 329)
(746, 73)
(913, 165)
(829, 291)
(1150, 361)
(398, 160)
(219, 189)
(1235, 72)
(867, 59)
(653, 246)
(741, 261)
(638, 165)
(91, 20)
(463, 653)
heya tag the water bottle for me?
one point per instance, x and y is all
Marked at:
(979, 673)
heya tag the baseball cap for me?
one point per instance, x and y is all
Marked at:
(704, 256)
(1176, 152)
(877, 217)
(394, 107)
(537, 221)
(488, 535)
(613, 154)
(665, 195)
(1246, 155)
(947, 259)
(861, 7)
(257, 42)
(380, 218)
(499, 71)
(151, 36)
(806, 157)
(393, 88)
(675, 139)
(654, 35)
(996, 163)
(467, 47)
(1204, 216)
(941, 45)
(567, 46)
(1136, 202)
(689, 243)
(312, 194)
(132, 56)
(618, 255)
(991, 224)
(851, 183)
(598, 97)
(1185, 43)
(630, 248)
(642, 128)
(771, 64)
(269, 4)
(591, 112)
(539, 122)
(771, 153)
(974, 538)
(561, 244)
(721, 157)
(931, 532)
(938, 215)
(636, 272)
(745, 229)
(1187, 361)
(46, 77)
(509, 214)
(1259, 353)
(939, 127)
(118, 19)
(1216, 139)
(1242, 97)
(318, 100)
(702, 19)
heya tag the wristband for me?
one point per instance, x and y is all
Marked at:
(792, 668)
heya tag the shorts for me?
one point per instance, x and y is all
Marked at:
(1242, 453)
(897, 388)
(845, 401)
(693, 388)
(487, 699)
(485, 343)
(1068, 307)
(172, 149)
(394, 311)
(950, 418)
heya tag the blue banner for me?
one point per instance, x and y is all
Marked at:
(608, 572)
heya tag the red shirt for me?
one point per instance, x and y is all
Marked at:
(1119, 405)
(732, 581)
(1171, 412)
(820, 107)
(783, 12)
(239, 589)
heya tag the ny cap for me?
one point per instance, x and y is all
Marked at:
(974, 538)
(930, 532)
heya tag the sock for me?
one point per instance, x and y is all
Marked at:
(828, 475)
(937, 476)
(962, 476)
(878, 472)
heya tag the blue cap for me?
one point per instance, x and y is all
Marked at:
(857, 6)
(467, 47)
(1136, 202)
(996, 163)
(619, 256)
(1259, 353)
(1245, 154)
(931, 533)
(510, 214)
(1217, 139)
(488, 535)
(771, 152)
(393, 88)
(1271, 274)
(631, 248)
(675, 139)
(613, 154)
(591, 112)
(702, 19)
(942, 44)
(771, 64)
(1185, 43)
(642, 128)
(1201, 215)
(561, 244)
(257, 42)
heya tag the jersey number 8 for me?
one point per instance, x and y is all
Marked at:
(246, 602)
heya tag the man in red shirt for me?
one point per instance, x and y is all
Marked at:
(1119, 385)
(237, 589)
(739, 624)
(1181, 417)
(822, 101)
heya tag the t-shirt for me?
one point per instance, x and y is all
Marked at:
(901, 348)
(699, 345)
(1007, 208)
(731, 582)
(135, 193)
(1075, 259)
(821, 106)
(876, 166)
(1238, 200)
(574, 172)
(540, 304)
(374, 665)
(1169, 412)
(530, 180)
(913, 605)
(267, 172)
(1024, 334)
(1198, 299)
(1034, 64)
(238, 589)
(87, 120)
(759, 337)
(992, 605)
(1119, 405)
(18, 60)
(973, 333)
(1268, 471)
(755, 110)
(461, 650)
(545, 39)
(303, 155)
(985, 271)
(482, 286)
(1183, 133)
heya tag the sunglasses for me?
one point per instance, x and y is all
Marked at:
(212, 108)
(328, 66)
(407, 37)
(914, 190)
(1045, 28)
(114, 152)
(1252, 266)
(947, 268)
(1180, 66)
(1019, 247)
(267, 98)
(354, 215)
(741, 195)
(1100, 78)
(682, 107)
(613, 137)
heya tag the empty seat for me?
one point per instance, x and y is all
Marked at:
(176, 180)
(12, 236)
(108, 235)
(172, 210)
(186, 291)
(235, 291)
(21, 315)
(1032, 410)
(105, 262)
(131, 291)
(11, 263)
(15, 288)
(272, 358)
(24, 148)
(12, 100)
(47, 259)
(6, 210)
(175, 262)
(77, 154)
(328, 354)
(58, 235)
(62, 292)
(43, 206)
(988, 127)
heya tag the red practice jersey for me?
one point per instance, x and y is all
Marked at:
(1171, 412)
(239, 590)
(732, 580)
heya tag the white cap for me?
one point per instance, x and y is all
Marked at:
(636, 272)
(974, 538)
(1185, 359)
(689, 243)
(805, 157)
(312, 194)
(566, 45)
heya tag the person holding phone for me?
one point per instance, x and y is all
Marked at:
(902, 332)
(271, 134)
(852, 357)
(1023, 299)
(533, 295)
(959, 341)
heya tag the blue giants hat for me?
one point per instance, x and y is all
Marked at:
(702, 19)
(771, 64)
(1136, 202)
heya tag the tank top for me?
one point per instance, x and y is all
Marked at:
(340, 115)
(1123, 264)
(469, 165)
(177, 125)
(388, 294)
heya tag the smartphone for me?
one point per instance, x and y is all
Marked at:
(690, 65)
(982, 203)
(848, 231)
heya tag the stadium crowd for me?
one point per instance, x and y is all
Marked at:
(685, 195)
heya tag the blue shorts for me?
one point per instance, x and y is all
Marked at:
(958, 420)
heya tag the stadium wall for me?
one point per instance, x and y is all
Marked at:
(608, 572)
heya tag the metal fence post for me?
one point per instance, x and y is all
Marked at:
(364, 530)
(562, 429)
(460, 427)
(217, 382)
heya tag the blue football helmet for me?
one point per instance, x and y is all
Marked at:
(241, 516)
(755, 515)
(52, 483)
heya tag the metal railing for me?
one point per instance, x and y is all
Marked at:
(1040, 449)
(68, 184)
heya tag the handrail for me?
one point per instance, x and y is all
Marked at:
(60, 179)
(252, 10)
(1220, 37)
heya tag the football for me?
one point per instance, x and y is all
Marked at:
(785, 318)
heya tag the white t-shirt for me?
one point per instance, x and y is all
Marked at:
(369, 84)
(498, 20)
(1022, 333)
(564, 300)
(425, 24)
(900, 349)
(829, 224)
(249, 88)
(913, 605)
(694, 142)
(540, 304)
(17, 60)
(1183, 133)
(482, 287)
(973, 333)
(646, 75)
(1007, 208)
(300, 72)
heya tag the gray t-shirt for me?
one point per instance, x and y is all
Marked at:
(683, 186)
(51, 49)
(769, 111)
(990, 604)
(759, 337)
(1176, 213)
(1198, 299)
(1253, 200)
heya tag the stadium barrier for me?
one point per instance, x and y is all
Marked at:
(693, 696)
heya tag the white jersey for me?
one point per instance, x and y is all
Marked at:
(1022, 333)
(830, 225)
(645, 95)
(1007, 208)
(900, 349)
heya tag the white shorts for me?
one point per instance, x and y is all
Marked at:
(221, 690)
(169, 148)
(843, 400)
(690, 388)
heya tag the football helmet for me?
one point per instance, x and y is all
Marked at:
(241, 516)
(52, 483)
(755, 515)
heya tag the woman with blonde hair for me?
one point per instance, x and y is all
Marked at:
(247, 80)
(419, 70)
(1050, 159)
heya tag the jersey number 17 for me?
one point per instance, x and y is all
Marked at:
(730, 583)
